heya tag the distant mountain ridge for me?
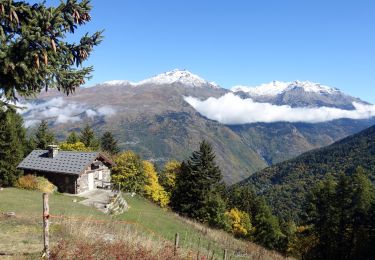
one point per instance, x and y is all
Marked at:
(175, 76)
(277, 87)
(152, 118)
(298, 94)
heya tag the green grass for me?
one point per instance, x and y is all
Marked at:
(25, 202)
(165, 224)
(23, 234)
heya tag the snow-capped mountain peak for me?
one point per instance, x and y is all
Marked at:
(178, 76)
(312, 87)
(266, 89)
(116, 82)
(184, 77)
(275, 88)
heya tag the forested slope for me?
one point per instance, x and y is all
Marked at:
(286, 184)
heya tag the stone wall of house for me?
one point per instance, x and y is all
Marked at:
(102, 173)
(83, 183)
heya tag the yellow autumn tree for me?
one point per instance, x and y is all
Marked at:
(129, 174)
(239, 221)
(168, 175)
(78, 146)
(153, 190)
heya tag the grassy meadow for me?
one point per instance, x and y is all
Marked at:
(144, 226)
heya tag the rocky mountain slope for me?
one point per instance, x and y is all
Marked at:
(286, 184)
(153, 118)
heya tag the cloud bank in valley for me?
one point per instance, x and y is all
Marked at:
(232, 110)
(60, 111)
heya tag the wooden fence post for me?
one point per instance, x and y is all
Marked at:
(208, 250)
(176, 241)
(199, 247)
(46, 225)
(225, 254)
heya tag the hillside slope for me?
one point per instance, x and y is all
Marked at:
(285, 185)
(143, 226)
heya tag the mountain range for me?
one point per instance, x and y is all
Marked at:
(166, 116)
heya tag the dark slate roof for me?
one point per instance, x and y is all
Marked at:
(69, 162)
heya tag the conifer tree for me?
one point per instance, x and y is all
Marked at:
(72, 138)
(87, 137)
(43, 136)
(12, 142)
(340, 213)
(198, 186)
(34, 52)
(109, 144)
(323, 215)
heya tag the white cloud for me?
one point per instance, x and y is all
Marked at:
(62, 119)
(60, 111)
(31, 122)
(231, 109)
(106, 111)
(91, 113)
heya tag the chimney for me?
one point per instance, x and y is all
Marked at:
(52, 150)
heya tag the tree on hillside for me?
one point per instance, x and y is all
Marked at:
(87, 137)
(12, 145)
(169, 175)
(267, 227)
(339, 214)
(43, 136)
(128, 174)
(108, 143)
(153, 190)
(72, 138)
(244, 198)
(34, 53)
(78, 146)
(197, 192)
(239, 221)
(267, 231)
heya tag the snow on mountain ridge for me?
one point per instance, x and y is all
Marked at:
(175, 76)
(182, 76)
(189, 79)
(275, 88)
(116, 82)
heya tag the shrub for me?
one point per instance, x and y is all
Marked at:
(45, 185)
(32, 182)
(27, 182)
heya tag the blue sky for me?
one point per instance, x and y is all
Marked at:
(236, 42)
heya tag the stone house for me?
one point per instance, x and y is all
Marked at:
(70, 171)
